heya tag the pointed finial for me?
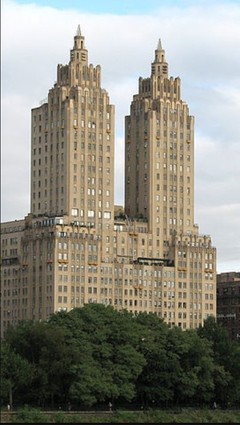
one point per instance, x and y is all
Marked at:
(78, 31)
(159, 47)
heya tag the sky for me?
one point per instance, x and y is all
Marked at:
(201, 40)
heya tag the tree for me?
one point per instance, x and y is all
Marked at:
(227, 370)
(198, 364)
(154, 384)
(44, 346)
(15, 372)
(110, 368)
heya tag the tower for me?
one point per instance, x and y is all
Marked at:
(159, 157)
(73, 247)
(72, 164)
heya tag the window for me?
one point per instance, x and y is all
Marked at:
(107, 215)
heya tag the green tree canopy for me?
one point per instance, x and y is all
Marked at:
(15, 372)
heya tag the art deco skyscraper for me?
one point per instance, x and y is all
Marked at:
(74, 247)
(159, 157)
(73, 145)
(159, 190)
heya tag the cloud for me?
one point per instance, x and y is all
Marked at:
(201, 42)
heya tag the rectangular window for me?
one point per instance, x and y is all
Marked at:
(107, 215)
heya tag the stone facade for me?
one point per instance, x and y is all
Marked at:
(75, 246)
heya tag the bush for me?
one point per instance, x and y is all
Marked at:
(59, 418)
(30, 415)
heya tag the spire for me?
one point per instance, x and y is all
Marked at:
(79, 52)
(78, 31)
(159, 65)
(159, 47)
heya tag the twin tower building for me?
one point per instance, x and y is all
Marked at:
(75, 246)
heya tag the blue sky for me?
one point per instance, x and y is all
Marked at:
(120, 6)
(105, 6)
(202, 45)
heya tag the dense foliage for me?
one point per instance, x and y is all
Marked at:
(94, 355)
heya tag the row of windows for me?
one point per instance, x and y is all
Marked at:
(195, 255)
(89, 124)
(145, 293)
(91, 159)
(90, 136)
(145, 303)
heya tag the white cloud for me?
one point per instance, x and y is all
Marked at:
(201, 44)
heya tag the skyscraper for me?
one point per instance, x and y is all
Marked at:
(159, 173)
(74, 247)
(72, 164)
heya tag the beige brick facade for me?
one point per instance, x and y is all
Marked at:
(75, 246)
